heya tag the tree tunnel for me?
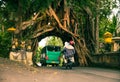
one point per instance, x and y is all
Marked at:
(81, 50)
(63, 36)
(62, 22)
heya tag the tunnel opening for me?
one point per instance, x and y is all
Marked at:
(58, 21)
(55, 38)
(51, 40)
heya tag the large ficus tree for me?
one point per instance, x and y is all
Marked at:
(75, 19)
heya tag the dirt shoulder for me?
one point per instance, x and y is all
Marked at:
(11, 71)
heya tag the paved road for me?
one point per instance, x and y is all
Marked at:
(57, 74)
(84, 74)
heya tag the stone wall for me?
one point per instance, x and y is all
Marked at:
(108, 59)
(21, 56)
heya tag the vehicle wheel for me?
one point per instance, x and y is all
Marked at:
(70, 67)
(56, 65)
(53, 65)
(44, 64)
(66, 67)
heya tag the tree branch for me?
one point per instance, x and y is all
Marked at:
(52, 12)
(25, 24)
(42, 31)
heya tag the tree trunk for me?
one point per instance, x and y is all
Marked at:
(64, 24)
(97, 26)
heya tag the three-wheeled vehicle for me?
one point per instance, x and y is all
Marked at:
(50, 55)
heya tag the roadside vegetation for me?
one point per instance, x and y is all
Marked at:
(84, 21)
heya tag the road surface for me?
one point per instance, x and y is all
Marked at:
(59, 74)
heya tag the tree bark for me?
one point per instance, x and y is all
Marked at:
(97, 26)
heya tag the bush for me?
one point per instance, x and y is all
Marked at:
(5, 44)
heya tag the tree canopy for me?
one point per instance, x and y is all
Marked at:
(79, 20)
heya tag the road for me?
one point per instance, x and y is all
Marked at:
(60, 74)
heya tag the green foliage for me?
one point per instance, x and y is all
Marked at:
(36, 58)
(55, 41)
(92, 16)
(106, 6)
(11, 10)
(107, 25)
(5, 44)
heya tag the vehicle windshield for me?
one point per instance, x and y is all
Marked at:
(53, 48)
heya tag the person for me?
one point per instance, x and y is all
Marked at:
(72, 42)
(68, 55)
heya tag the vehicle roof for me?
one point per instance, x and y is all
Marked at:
(50, 47)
